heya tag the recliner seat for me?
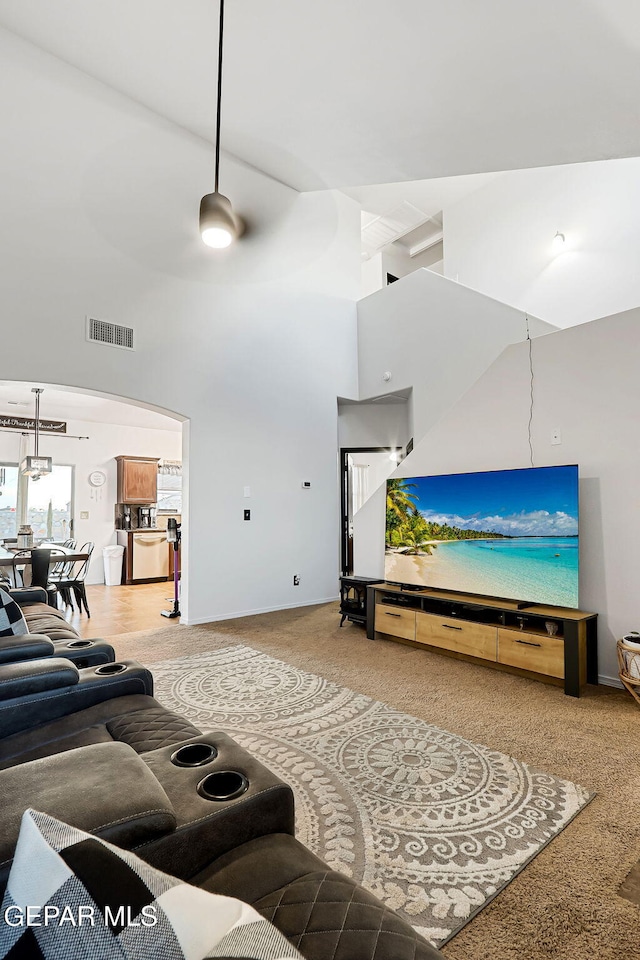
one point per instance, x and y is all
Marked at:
(46, 621)
(137, 720)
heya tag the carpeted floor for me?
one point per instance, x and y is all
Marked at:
(431, 823)
(565, 903)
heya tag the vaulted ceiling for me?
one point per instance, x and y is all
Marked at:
(350, 92)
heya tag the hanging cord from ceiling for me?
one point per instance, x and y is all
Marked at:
(219, 96)
(530, 343)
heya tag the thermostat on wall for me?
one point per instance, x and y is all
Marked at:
(306, 485)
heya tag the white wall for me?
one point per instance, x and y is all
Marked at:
(396, 259)
(373, 424)
(435, 336)
(252, 347)
(105, 442)
(586, 386)
(372, 278)
(499, 240)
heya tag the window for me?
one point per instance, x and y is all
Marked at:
(49, 500)
(8, 500)
(169, 487)
(45, 504)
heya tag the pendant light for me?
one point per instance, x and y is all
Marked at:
(219, 226)
(36, 466)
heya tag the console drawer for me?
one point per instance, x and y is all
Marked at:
(460, 636)
(531, 651)
(396, 621)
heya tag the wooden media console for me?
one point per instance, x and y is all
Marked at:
(503, 634)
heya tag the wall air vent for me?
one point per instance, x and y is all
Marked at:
(113, 334)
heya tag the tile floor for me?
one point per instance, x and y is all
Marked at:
(123, 609)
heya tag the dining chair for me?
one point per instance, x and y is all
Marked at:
(44, 560)
(21, 578)
(72, 581)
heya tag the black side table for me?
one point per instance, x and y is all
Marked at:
(353, 598)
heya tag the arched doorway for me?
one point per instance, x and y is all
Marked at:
(83, 432)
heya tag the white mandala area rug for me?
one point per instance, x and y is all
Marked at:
(432, 824)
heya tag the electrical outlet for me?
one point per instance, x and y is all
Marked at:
(556, 437)
(84, 514)
(296, 580)
(247, 514)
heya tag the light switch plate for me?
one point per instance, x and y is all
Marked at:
(84, 514)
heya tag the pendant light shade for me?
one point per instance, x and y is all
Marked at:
(219, 225)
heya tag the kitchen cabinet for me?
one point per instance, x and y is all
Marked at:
(137, 479)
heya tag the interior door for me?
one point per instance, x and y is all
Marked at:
(363, 470)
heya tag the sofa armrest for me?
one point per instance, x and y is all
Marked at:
(26, 646)
(36, 676)
(206, 829)
(104, 788)
(26, 595)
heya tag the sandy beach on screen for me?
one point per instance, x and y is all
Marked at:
(427, 569)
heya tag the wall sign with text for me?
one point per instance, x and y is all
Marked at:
(26, 423)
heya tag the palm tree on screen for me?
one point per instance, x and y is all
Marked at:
(399, 500)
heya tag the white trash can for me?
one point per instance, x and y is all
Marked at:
(112, 558)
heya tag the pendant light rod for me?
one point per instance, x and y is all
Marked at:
(219, 103)
(37, 391)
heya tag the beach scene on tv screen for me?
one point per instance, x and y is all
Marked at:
(502, 533)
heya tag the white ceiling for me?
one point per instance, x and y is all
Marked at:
(339, 94)
(430, 196)
(59, 404)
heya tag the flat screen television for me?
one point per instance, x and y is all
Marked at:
(511, 534)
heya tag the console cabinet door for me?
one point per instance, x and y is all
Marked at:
(531, 651)
(396, 621)
(460, 636)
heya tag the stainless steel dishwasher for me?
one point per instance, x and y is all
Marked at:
(150, 555)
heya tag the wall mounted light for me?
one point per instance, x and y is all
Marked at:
(558, 243)
(219, 225)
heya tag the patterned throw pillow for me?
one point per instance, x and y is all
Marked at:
(72, 896)
(12, 623)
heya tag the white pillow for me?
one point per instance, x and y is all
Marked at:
(71, 896)
(12, 621)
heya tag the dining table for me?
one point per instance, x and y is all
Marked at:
(7, 554)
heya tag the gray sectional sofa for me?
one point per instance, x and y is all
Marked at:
(97, 751)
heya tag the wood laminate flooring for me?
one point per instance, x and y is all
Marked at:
(123, 609)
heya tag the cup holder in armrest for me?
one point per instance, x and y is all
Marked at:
(74, 644)
(109, 669)
(223, 785)
(194, 755)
